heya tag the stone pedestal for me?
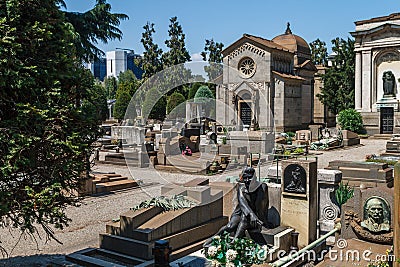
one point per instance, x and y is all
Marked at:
(329, 211)
(299, 198)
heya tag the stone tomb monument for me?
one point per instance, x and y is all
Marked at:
(130, 240)
(299, 198)
(368, 215)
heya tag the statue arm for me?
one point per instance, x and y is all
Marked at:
(244, 206)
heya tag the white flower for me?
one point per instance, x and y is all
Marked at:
(215, 264)
(229, 264)
(231, 254)
(217, 237)
(264, 247)
(212, 250)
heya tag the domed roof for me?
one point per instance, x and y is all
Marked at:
(293, 42)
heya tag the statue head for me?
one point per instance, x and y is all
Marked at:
(388, 76)
(247, 175)
(375, 210)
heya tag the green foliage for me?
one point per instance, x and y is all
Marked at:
(338, 89)
(127, 86)
(152, 53)
(298, 150)
(175, 202)
(177, 53)
(193, 89)
(50, 109)
(154, 106)
(94, 25)
(127, 82)
(121, 104)
(350, 119)
(174, 105)
(111, 85)
(203, 92)
(319, 52)
(389, 162)
(343, 193)
(213, 53)
(225, 251)
(174, 59)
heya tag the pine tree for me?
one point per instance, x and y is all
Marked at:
(174, 59)
(177, 53)
(50, 109)
(94, 25)
(213, 54)
(151, 62)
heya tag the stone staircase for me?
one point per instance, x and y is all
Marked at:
(381, 136)
(103, 183)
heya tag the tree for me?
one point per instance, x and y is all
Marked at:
(127, 87)
(127, 80)
(193, 89)
(174, 59)
(50, 108)
(338, 89)
(151, 63)
(111, 85)
(319, 52)
(177, 53)
(153, 108)
(213, 54)
(121, 104)
(203, 92)
(93, 25)
(175, 108)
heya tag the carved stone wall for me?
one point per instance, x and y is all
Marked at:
(329, 211)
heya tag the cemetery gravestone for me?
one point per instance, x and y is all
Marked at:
(299, 198)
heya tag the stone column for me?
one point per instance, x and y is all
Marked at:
(366, 81)
(396, 226)
(358, 83)
(329, 210)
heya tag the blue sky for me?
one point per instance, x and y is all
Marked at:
(226, 21)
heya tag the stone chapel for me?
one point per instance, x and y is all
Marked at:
(267, 83)
(377, 73)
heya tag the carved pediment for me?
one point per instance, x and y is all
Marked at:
(246, 47)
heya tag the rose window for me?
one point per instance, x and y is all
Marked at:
(247, 67)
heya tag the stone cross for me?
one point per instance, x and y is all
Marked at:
(396, 226)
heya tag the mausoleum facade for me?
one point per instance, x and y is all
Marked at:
(267, 83)
(377, 73)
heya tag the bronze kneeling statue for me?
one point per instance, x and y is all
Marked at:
(252, 209)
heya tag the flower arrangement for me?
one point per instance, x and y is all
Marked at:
(224, 251)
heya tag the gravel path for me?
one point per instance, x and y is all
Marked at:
(89, 219)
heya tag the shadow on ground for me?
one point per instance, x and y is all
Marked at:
(47, 260)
